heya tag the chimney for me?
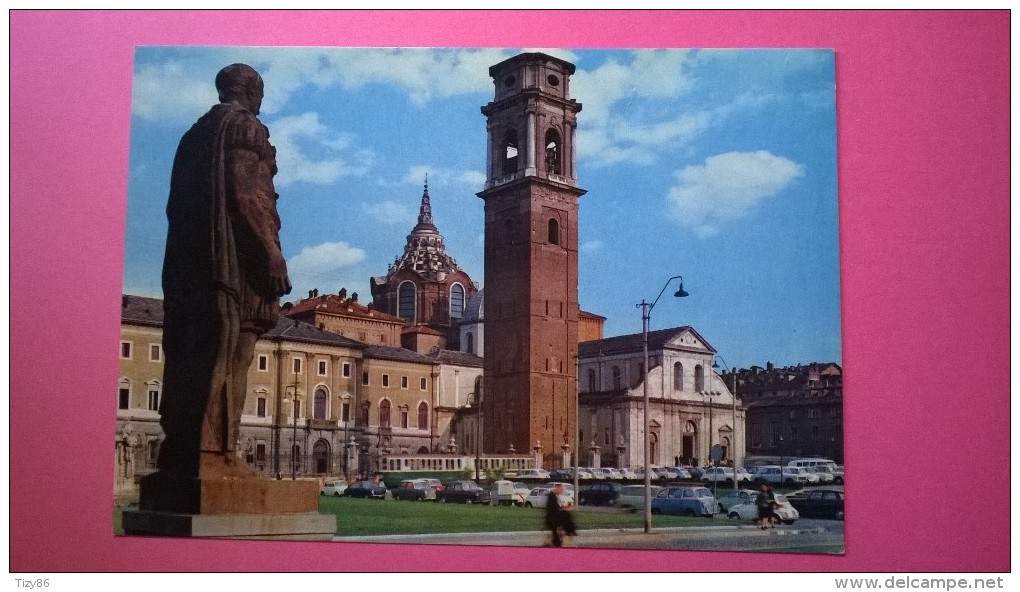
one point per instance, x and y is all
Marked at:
(342, 294)
(354, 297)
(315, 293)
(769, 366)
(309, 294)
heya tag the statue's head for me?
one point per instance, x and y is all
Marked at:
(240, 83)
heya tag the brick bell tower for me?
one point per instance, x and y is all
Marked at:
(531, 312)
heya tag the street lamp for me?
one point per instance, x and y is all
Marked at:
(293, 436)
(733, 395)
(476, 397)
(782, 476)
(646, 315)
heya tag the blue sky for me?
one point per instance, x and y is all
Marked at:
(717, 165)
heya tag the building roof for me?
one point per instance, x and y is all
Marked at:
(294, 330)
(474, 311)
(149, 311)
(457, 358)
(337, 304)
(657, 340)
(398, 354)
(140, 310)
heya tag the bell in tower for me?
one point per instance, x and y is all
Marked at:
(532, 121)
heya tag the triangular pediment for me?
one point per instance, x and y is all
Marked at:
(689, 339)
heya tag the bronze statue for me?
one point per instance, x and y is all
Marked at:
(223, 275)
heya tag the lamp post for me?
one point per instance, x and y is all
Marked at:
(478, 422)
(782, 473)
(733, 395)
(646, 315)
(293, 435)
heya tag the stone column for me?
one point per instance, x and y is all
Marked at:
(596, 457)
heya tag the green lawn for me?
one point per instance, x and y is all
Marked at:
(366, 517)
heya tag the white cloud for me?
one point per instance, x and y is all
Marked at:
(291, 134)
(182, 88)
(591, 246)
(322, 265)
(391, 213)
(438, 176)
(726, 187)
(612, 130)
(171, 90)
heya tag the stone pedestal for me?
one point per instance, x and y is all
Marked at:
(308, 526)
(229, 506)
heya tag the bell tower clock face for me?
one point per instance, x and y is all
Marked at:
(531, 201)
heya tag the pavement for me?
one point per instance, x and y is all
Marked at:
(586, 538)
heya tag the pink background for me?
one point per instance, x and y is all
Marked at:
(924, 210)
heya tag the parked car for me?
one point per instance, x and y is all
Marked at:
(538, 497)
(819, 503)
(436, 484)
(824, 477)
(718, 475)
(506, 492)
(734, 497)
(415, 490)
(533, 474)
(685, 501)
(633, 496)
(748, 510)
(463, 492)
(568, 489)
(681, 473)
(779, 475)
(610, 473)
(695, 472)
(629, 473)
(334, 488)
(366, 489)
(599, 494)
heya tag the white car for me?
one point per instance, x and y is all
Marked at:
(811, 477)
(629, 473)
(824, 477)
(538, 497)
(610, 473)
(533, 474)
(748, 510)
(777, 474)
(718, 475)
(334, 488)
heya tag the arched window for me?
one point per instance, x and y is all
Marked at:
(554, 232)
(553, 158)
(470, 342)
(407, 296)
(423, 416)
(616, 378)
(509, 153)
(384, 413)
(678, 376)
(456, 302)
(320, 404)
(591, 380)
(699, 378)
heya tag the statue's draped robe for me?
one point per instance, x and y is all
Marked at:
(218, 297)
